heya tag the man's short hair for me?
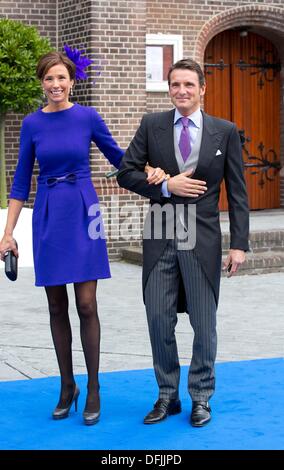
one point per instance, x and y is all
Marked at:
(188, 64)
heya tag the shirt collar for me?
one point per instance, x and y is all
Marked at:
(194, 117)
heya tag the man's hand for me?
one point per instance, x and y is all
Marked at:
(234, 259)
(183, 185)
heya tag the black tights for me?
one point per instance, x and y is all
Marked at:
(86, 303)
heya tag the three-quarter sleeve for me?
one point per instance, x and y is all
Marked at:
(104, 140)
(22, 178)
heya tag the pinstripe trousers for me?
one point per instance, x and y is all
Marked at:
(161, 296)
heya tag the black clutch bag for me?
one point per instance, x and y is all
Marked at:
(11, 265)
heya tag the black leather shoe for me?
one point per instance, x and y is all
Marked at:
(162, 409)
(200, 413)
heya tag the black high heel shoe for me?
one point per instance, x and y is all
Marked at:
(61, 413)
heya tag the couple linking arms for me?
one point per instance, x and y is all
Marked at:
(195, 152)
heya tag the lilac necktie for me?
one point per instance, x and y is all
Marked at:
(184, 141)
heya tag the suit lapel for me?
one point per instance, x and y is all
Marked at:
(210, 142)
(163, 132)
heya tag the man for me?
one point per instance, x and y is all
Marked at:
(196, 151)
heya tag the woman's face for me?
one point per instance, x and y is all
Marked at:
(57, 84)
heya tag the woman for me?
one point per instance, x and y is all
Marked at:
(59, 137)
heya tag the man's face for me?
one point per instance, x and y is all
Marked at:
(185, 91)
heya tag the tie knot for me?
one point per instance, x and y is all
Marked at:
(185, 121)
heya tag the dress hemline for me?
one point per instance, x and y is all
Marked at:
(61, 283)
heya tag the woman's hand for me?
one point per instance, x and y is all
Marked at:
(8, 243)
(155, 175)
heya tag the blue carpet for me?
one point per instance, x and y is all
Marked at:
(248, 413)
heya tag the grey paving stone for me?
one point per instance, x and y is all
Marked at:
(250, 323)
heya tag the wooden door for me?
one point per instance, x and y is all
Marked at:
(243, 86)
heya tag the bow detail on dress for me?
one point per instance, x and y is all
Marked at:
(70, 178)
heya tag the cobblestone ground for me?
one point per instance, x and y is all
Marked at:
(250, 323)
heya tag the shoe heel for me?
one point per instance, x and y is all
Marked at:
(60, 413)
(176, 409)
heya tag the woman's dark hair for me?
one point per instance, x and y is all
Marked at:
(188, 64)
(54, 58)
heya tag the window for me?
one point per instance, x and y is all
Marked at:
(162, 50)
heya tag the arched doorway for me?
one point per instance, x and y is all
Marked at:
(242, 72)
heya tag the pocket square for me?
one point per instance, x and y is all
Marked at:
(218, 152)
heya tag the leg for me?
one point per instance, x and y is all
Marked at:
(161, 295)
(202, 314)
(86, 303)
(62, 339)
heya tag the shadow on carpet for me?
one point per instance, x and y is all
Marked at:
(247, 413)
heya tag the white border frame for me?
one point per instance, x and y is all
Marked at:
(175, 40)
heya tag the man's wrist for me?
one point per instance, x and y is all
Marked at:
(168, 183)
(165, 189)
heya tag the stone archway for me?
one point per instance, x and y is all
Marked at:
(265, 20)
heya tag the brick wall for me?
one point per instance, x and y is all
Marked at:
(119, 29)
(187, 17)
(113, 32)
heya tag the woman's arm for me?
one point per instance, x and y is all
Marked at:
(104, 140)
(20, 188)
(8, 243)
(114, 153)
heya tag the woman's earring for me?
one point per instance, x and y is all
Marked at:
(71, 91)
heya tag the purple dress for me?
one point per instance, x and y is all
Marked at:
(68, 238)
